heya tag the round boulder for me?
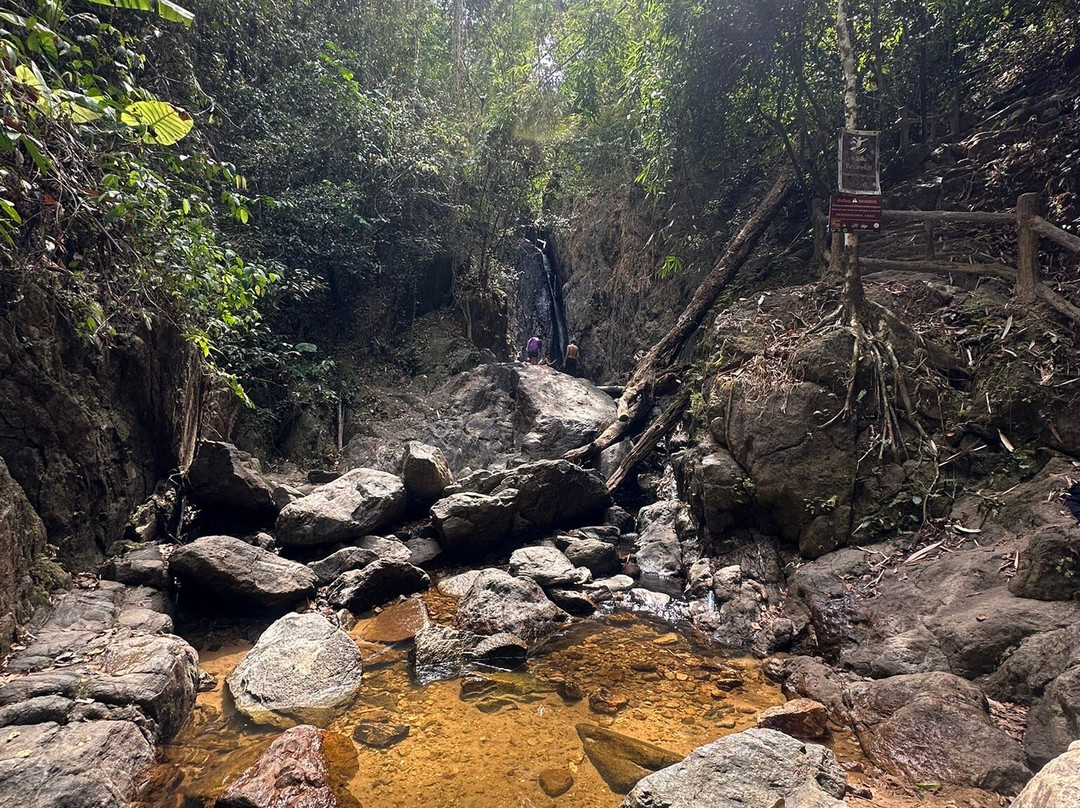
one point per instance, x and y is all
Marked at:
(354, 505)
(302, 670)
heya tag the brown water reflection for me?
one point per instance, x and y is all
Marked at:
(482, 742)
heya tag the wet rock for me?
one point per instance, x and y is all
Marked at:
(348, 558)
(304, 767)
(599, 557)
(364, 589)
(222, 571)
(302, 669)
(22, 540)
(717, 488)
(423, 550)
(503, 650)
(1057, 785)
(648, 600)
(457, 585)
(1049, 566)
(140, 566)
(758, 767)
(619, 518)
(569, 691)
(621, 760)
(557, 412)
(616, 583)
(812, 679)
(380, 734)
(91, 764)
(221, 477)
(555, 782)
(439, 653)
(397, 622)
(608, 534)
(573, 601)
(665, 539)
(498, 602)
(935, 727)
(424, 471)
(800, 718)
(547, 566)
(470, 524)
(207, 681)
(607, 702)
(356, 504)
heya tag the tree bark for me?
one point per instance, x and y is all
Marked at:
(853, 295)
(637, 397)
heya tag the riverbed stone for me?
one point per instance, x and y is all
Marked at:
(1049, 566)
(224, 478)
(302, 670)
(547, 566)
(397, 622)
(457, 585)
(935, 727)
(759, 767)
(305, 767)
(345, 559)
(380, 581)
(799, 718)
(665, 537)
(85, 764)
(499, 602)
(139, 566)
(599, 557)
(503, 650)
(380, 734)
(471, 524)
(224, 572)
(555, 781)
(1057, 785)
(424, 471)
(620, 759)
(356, 504)
(439, 653)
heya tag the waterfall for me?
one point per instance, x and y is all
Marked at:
(540, 301)
(559, 336)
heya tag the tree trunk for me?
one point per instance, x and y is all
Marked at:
(637, 397)
(853, 295)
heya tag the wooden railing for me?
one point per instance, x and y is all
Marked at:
(1026, 275)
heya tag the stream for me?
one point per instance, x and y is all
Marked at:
(482, 741)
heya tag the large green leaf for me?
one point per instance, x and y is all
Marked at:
(165, 123)
(166, 9)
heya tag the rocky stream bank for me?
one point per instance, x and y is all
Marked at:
(411, 631)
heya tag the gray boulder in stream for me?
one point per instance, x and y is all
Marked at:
(547, 566)
(354, 505)
(665, 534)
(559, 412)
(424, 471)
(220, 569)
(498, 602)
(302, 670)
(378, 582)
(471, 524)
(757, 767)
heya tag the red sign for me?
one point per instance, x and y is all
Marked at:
(850, 213)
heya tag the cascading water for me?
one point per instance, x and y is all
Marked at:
(540, 301)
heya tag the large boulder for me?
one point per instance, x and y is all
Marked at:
(799, 718)
(223, 478)
(757, 767)
(139, 566)
(1049, 566)
(223, 571)
(666, 542)
(620, 759)
(1057, 785)
(344, 560)
(1054, 719)
(375, 584)
(717, 488)
(354, 505)
(498, 602)
(304, 767)
(88, 764)
(554, 493)
(22, 540)
(935, 727)
(302, 670)
(557, 412)
(470, 524)
(424, 471)
(599, 557)
(547, 566)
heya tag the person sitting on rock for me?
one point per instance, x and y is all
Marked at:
(532, 349)
(571, 359)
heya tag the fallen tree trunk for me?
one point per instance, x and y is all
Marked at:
(637, 397)
(652, 436)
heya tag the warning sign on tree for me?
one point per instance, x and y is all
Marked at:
(848, 214)
(859, 162)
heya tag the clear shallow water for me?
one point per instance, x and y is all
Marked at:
(483, 743)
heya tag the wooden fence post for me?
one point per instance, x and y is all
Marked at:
(1027, 248)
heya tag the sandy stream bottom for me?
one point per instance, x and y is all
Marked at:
(486, 751)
